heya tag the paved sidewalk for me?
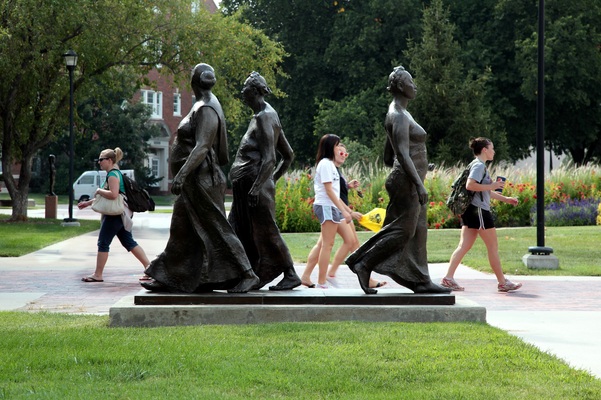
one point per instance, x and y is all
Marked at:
(560, 315)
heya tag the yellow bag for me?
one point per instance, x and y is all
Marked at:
(374, 219)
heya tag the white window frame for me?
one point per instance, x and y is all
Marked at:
(155, 168)
(155, 100)
(177, 104)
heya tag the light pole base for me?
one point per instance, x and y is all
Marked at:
(538, 261)
(70, 222)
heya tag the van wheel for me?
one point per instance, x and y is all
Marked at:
(83, 198)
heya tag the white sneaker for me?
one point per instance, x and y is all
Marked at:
(332, 281)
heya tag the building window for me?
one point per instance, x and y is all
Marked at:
(177, 104)
(155, 167)
(154, 100)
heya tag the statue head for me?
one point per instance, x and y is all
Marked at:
(399, 80)
(255, 85)
(203, 77)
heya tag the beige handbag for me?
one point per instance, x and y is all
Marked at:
(105, 206)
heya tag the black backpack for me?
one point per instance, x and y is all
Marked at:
(460, 198)
(137, 199)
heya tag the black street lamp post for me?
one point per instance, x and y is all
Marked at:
(71, 61)
(540, 247)
(540, 256)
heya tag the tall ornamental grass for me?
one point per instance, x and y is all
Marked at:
(572, 196)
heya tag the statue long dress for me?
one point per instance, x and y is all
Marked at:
(256, 226)
(399, 249)
(203, 252)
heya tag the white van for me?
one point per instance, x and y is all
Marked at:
(85, 186)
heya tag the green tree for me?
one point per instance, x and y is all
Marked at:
(358, 118)
(502, 35)
(451, 104)
(340, 53)
(487, 31)
(367, 41)
(572, 78)
(111, 37)
(304, 29)
(107, 121)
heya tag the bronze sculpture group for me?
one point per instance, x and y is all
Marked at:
(207, 251)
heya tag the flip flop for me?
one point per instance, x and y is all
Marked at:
(309, 285)
(91, 279)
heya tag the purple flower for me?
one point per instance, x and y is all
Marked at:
(569, 213)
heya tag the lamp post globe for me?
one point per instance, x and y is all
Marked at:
(71, 62)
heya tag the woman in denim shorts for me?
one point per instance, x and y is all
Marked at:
(329, 209)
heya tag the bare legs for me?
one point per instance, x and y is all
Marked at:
(492, 247)
(139, 253)
(468, 237)
(103, 256)
(350, 243)
(467, 240)
(311, 263)
(320, 254)
(328, 234)
(101, 259)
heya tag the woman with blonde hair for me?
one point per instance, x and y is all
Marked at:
(112, 225)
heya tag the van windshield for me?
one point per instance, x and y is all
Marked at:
(87, 179)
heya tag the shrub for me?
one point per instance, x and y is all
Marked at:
(294, 205)
(570, 213)
(565, 185)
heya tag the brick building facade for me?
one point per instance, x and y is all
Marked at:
(170, 104)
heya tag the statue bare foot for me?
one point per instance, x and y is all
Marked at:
(247, 283)
(289, 282)
(430, 287)
(364, 275)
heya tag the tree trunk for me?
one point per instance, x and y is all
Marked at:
(577, 156)
(18, 191)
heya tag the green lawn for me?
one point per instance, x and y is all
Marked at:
(40, 201)
(21, 238)
(55, 356)
(571, 245)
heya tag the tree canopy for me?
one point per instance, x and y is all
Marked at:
(341, 52)
(451, 103)
(111, 37)
(105, 121)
